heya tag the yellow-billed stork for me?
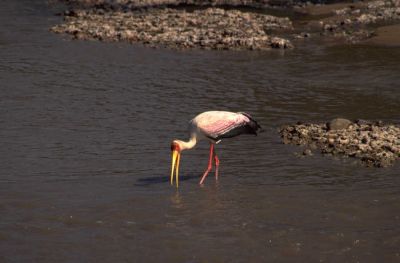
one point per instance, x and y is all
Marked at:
(213, 126)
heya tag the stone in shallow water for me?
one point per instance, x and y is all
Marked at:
(338, 124)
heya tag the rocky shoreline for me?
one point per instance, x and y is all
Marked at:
(211, 28)
(356, 22)
(211, 25)
(374, 143)
(135, 4)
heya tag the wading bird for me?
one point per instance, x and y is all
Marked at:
(213, 126)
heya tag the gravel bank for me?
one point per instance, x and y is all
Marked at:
(375, 144)
(211, 28)
(353, 22)
(156, 23)
(133, 4)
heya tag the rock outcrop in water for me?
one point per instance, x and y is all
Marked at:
(210, 28)
(352, 22)
(375, 144)
(166, 23)
(133, 4)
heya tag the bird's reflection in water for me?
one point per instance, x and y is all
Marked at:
(215, 185)
(176, 200)
(213, 196)
(146, 181)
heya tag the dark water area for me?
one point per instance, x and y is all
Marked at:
(85, 157)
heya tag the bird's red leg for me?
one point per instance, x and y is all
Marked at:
(216, 164)
(209, 164)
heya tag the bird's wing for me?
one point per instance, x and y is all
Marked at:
(215, 124)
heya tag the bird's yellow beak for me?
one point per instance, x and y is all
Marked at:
(176, 155)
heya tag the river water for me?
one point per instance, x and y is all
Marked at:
(85, 151)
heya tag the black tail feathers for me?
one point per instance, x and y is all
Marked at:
(255, 127)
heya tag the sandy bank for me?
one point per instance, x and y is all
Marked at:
(387, 36)
(329, 9)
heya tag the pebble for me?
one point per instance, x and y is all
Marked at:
(307, 152)
(338, 124)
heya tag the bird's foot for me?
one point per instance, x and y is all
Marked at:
(205, 175)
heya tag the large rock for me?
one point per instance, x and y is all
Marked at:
(338, 124)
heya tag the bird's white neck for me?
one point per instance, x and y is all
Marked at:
(189, 144)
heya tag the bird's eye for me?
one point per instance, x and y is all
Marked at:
(175, 147)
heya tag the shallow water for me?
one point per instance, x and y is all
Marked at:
(85, 157)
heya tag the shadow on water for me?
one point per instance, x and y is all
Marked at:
(146, 181)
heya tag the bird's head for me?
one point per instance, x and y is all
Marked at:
(176, 149)
(176, 145)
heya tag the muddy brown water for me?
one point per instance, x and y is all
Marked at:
(85, 157)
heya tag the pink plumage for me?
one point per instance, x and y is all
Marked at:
(217, 125)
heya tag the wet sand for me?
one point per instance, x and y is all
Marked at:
(386, 36)
(328, 9)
